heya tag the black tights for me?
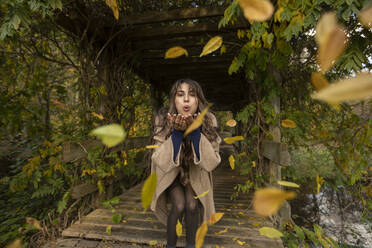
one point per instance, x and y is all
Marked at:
(182, 198)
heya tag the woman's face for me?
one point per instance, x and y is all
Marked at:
(186, 100)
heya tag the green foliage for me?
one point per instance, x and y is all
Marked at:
(298, 236)
(20, 14)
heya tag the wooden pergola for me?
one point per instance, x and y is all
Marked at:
(151, 34)
(147, 37)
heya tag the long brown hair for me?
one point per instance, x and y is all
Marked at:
(207, 128)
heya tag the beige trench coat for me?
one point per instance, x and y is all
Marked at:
(200, 173)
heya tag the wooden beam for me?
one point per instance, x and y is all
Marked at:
(189, 60)
(276, 152)
(73, 151)
(171, 15)
(185, 30)
(184, 41)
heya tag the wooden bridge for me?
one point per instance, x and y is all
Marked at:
(237, 228)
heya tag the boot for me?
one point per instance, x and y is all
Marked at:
(190, 245)
(171, 246)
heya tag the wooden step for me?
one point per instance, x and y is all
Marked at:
(130, 234)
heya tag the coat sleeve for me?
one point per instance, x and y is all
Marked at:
(162, 157)
(209, 151)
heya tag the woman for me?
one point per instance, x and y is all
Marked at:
(183, 165)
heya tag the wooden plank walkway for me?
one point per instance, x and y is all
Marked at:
(239, 223)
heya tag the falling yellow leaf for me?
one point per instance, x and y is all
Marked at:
(332, 49)
(288, 124)
(253, 164)
(255, 224)
(231, 123)
(240, 242)
(99, 116)
(223, 49)
(114, 6)
(148, 190)
(232, 162)
(319, 182)
(108, 229)
(220, 232)
(288, 184)
(34, 222)
(175, 52)
(212, 45)
(179, 228)
(365, 17)
(152, 146)
(153, 242)
(267, 201)
(257, 10)
(200, 234)
(326, 24)
(270, 232)
(202, 194)
(230, 140)
(331, 39)
(198, 121)
(110, 135)
(15, 244)
(319, 81)
(215, 218)
(351, 89)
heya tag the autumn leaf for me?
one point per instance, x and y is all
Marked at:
(223, 49)
(108, 229)
(351, 89)
(114, 6)
(222, 231)
(215, 218)
(332, 49)
(319, 81)
(202, 194)
(110, 135)
(15, 244)
(288, 124)
(232, 162)
(34, 222)
(270, 232)
(148, 190)
(365, 17)
(240, 242)
(99, 116)
(179, 228)
(256, 10)
(200, 235)
(331, 39)
(153, 242)
(231, 123)
(230, 140)
(288, 184)
(267, 201)
(197, 122)
(212, 45)
(319, 182)
(175, 52)
(152, 146)
(326, 24)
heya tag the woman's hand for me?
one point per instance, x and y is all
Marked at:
(181, 122)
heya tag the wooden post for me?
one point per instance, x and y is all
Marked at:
(275, 173)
